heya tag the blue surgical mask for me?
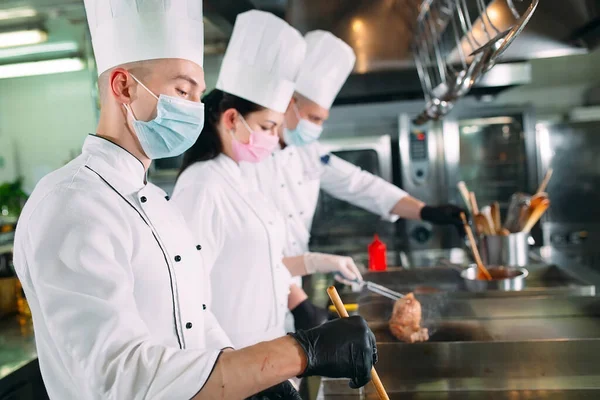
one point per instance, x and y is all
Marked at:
(306, 132)
(175, 129)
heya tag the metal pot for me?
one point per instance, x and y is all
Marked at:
(504, 278)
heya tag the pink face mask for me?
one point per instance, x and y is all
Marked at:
(257, 149)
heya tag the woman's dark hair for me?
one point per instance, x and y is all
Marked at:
(209, 145)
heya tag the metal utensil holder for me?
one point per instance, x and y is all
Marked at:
(510, 250)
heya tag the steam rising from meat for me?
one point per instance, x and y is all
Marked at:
(405, 323)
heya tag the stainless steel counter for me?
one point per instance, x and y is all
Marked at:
(561, 394)
(539, 343)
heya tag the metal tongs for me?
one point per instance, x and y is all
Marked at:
(382, 290)
(373, 287)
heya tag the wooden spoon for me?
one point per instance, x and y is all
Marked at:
(536, 215)
(537, 199)
(482, 270)
(341, 310)
(482, 225)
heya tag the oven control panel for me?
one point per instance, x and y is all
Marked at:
(419, 153)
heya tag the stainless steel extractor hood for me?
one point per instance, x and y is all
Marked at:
(381, 33)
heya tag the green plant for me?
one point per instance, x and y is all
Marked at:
(12, 197)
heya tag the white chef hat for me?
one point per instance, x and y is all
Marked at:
(125, 31)
(328, 63)
(262, 60)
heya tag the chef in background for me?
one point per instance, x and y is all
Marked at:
(294, 175)
(243, 232)
(116, 283)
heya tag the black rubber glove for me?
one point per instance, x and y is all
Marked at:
(307, 315)
(343, 348)
(444, 215)
(283, 391)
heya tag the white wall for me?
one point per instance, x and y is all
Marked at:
(48, 118)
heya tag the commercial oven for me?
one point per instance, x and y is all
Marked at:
(571, 227)
(492, 149)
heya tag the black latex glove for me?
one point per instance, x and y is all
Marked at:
(283, 391)
(307, 315)
(343, 348)
(444, 215)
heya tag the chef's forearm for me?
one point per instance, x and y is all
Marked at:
(240, 374)
(408, 207)
(295, 265)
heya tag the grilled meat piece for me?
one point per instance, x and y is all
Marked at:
(405, 323)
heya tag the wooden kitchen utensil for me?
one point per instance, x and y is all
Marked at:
(487, 213)
(546, 180)
(482, 225)
(341, 310)
(537, 199)
(464, 193)
(536, 215)
(483, 271)
(474, 207)
(496, 217)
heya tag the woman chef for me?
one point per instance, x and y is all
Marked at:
(293, 177)
(240, 228)
(114, 279)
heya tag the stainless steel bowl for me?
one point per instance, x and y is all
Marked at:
(503, 278)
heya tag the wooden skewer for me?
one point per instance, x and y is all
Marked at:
(341, 310)
(478, 261)
(496, 217)
(544, 183)
(464, 192)
(536, 215)
(474, 207)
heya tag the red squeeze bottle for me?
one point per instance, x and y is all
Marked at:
(377, 255)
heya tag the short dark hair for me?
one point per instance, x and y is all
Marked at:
(209, 145)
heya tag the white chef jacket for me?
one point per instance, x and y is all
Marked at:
(244, 236)
(293, 176)
(115, 283)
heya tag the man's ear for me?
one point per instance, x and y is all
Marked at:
(293, 102)
(122, 86)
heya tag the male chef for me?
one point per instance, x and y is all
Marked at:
(115, 282)
(294, 175)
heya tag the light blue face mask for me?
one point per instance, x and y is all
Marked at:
(306, 132)
(175, 129)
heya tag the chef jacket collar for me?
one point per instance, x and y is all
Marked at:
(119, 163)
(231, 171)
